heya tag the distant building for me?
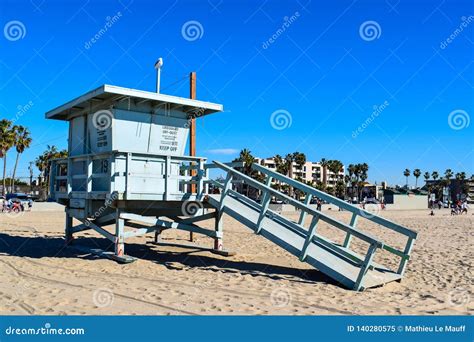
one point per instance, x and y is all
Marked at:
(368, 191)
(309, 172)
(405, 200)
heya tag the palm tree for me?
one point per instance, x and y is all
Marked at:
(43, 161)
(448, 174)
(280, 165)
(460, 177)
(351, 170)
(289, 159)
(300, 160)
(320, 186)
(363, 170)
(339, 189)
(426, 175)
(324, 165)
(23, 141)
(246, 157)
(417, 174)
(335, 167)
(7, 139)
(435, 175)
(407, 173)
(363, 177)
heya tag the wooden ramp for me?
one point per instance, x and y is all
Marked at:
(338, 262)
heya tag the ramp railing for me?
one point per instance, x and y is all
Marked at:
(311, 236)
(357, 212)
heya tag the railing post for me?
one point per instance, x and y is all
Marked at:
(200, 176)
(265, 203)
(407, 251)
(119, 230)
(220, 212)
(206, 177)
(364, 267)
(303, 214)
(309, 237)
(347, 240)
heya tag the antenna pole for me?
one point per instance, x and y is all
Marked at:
(192, 135)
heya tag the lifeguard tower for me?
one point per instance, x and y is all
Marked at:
(127, 162)
(127, 167)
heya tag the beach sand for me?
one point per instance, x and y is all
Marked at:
(40, 276)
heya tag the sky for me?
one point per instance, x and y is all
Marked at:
(389, 83)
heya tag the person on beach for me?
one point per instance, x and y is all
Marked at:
(464, 207)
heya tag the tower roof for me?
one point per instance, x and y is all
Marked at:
(108, 94)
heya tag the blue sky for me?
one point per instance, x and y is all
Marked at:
(323, 72)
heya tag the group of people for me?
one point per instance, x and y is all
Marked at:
(12, 205)
(457, 208)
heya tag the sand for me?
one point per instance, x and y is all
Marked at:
(40, 276)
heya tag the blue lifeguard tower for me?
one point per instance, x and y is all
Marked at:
(127, 167)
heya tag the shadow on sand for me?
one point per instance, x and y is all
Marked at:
(54, 247)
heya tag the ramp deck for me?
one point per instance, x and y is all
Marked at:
(330, 262)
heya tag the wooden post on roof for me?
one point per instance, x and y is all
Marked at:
(192, 135)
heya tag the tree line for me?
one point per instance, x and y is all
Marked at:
(19, 138)
(16, 136)
(444, 180)
(284, 165)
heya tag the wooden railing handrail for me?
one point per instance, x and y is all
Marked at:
(361, 235)
(334, 200)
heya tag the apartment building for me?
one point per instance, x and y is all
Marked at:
(309, 172)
